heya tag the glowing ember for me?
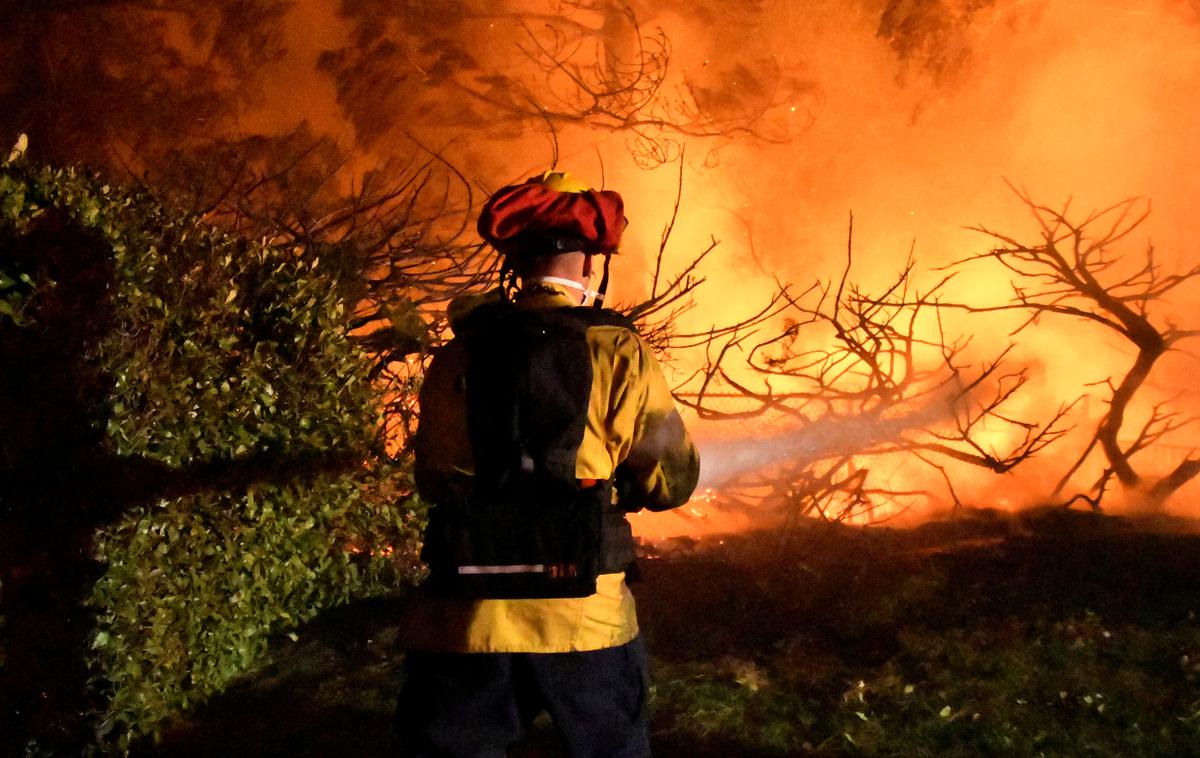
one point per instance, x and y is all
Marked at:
(383, 552)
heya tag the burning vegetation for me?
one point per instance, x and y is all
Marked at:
(881, 373)
(888, 380)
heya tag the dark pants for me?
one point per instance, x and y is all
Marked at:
(474, 705)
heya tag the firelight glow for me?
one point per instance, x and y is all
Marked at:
(1090, 101)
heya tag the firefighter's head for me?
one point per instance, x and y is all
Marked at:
(553, 226)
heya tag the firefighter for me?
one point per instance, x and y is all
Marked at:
(543, 422)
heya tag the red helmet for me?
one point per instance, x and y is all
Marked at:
(553, 213)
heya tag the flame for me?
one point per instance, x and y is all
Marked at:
(385, 551)
(1066, 99)
(1090, 100)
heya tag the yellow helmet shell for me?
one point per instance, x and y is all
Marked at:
(561, 181)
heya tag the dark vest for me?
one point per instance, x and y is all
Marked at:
(528, 528)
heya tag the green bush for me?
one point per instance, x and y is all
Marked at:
(195, 586)
(223, 384)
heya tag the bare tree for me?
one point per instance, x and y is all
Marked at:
(671, 295)
(1073, 269)
(398, 236)
(855, 377)
(585, 63)
(401, 248)
(624, 85)
(396, 240)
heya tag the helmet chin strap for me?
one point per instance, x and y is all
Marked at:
(599, 301)
(571, 283)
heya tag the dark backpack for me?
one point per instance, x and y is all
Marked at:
(528, 527)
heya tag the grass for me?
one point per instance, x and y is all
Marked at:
(1011, 687)
(1049, 633)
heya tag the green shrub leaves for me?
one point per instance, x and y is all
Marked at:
(228, 379)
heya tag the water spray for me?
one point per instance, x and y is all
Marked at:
(725, 459)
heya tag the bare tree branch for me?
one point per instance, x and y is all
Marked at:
(869, 377)
(1074, 270)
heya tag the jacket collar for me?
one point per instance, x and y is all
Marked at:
(538, 295)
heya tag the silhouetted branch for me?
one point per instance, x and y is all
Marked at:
(1073, 270)
(868, 376)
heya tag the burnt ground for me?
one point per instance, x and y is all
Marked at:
(983, 633)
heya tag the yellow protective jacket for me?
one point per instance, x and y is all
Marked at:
(631, 422)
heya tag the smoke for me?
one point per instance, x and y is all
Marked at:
(910, 114)
(728, 458)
